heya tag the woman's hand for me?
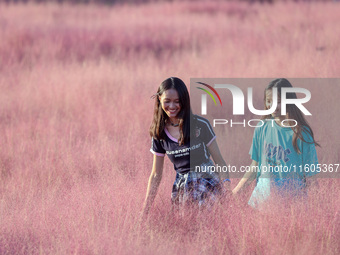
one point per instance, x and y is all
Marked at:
(247, 178)
(234, 192)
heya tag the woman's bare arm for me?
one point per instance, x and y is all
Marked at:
(154, 181)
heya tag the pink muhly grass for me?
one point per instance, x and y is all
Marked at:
(75, 113)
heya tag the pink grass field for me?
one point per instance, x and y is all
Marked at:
(75, 109)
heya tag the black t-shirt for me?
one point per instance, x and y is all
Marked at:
(191, 154)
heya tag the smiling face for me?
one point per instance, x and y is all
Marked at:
(269, 102)
(170, 103)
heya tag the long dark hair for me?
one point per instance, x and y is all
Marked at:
(293, 113)
(184, 116)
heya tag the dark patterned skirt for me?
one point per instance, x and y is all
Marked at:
(196, 188)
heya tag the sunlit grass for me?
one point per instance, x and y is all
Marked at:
(75, 109)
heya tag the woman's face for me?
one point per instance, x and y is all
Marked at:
(170, 103)
(269, 102)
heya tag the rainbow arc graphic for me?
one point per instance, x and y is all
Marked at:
(209, 93)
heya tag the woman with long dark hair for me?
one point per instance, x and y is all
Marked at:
(283, 155)
(188, 140)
